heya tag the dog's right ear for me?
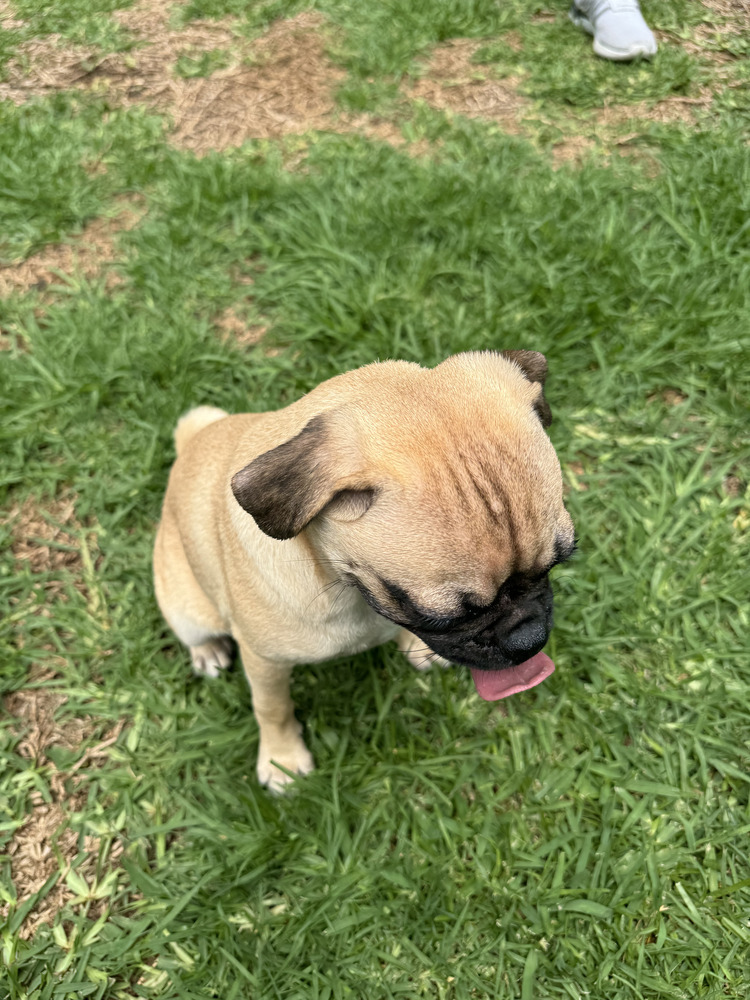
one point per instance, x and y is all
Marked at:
(285, 488)
(534, 366)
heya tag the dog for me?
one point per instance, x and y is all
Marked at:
(390, 502)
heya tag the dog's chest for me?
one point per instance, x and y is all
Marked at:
(342, 624)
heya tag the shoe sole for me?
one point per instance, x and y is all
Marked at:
(614, 55)
(619, 55)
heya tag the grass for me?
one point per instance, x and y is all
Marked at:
(590, 839)
(201, 64)
(587, 83)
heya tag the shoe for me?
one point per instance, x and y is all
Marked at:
(619, 31)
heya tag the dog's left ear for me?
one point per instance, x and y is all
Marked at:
(534, 366)
(285, 488)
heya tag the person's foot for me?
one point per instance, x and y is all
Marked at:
(619, 31)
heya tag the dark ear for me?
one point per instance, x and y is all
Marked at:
(285, 488)
(534, 366)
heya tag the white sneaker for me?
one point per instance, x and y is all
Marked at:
(619, 31)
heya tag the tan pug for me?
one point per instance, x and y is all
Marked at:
(391, 502)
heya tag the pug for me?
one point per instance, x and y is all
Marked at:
(391, 502)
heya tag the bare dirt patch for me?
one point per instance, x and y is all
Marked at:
(668, 395)
(733, 486)
(8, 20)
(383, 130)
(44, 843)
(452, 83)
(572, 149)
(87, 254)
(40, 535)
(737, 10)
(277, 84)
(53, 543)
(45, 65)
(232, 326)
(671, 110)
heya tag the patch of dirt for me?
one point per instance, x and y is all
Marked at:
(513, 40)
(383, 130)
(707, 40)
(669, 111)
(277, 84)
(45, 844)
(54, 544)
(452, 83)
(572, 149)
(8, 18)
(232, 326)
(603, 130)
(87, 254)
(10, 341)
(573, 473)
(45, 65)
(733, 486)
(39, 536)
(670, 396)
(49, 539)
(738, 10)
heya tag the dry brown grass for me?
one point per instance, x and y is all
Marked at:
(233, 326)
(283, 83)
(87, 255)
(45, 843)
(671, 110)
(8, 20)
(49, 540)
(734, 10)
(277, 84)
(45, 65)
(45, 538)
(452, 83)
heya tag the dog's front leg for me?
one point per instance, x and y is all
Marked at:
(280, 739)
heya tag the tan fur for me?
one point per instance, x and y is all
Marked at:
(442, 480)
(193, 421)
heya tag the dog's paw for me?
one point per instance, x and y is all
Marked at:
(295, 758)
(211, 657)
(418, 654)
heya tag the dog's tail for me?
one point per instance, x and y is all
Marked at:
(193, 421)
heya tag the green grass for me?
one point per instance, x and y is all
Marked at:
(588, 840)
(386, 39)
(61, 161)
(570, 79)
(190, 64)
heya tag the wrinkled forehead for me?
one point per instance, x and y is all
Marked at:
(505, 493)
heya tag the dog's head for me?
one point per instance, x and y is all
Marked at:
(438, 494)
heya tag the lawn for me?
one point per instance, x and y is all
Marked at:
(226, 202)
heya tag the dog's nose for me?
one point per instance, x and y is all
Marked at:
(525, 640)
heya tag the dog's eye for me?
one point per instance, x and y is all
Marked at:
(437, 624)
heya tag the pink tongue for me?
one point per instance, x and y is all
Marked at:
(495, 684)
